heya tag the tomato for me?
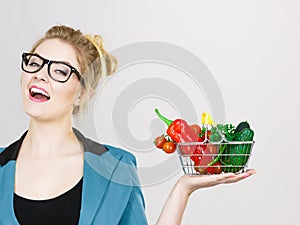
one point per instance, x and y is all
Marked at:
(159, 141)
(196, 128)
(201, 170)
(169, 147)
(216, 168)
(201, 138)
(208, 134)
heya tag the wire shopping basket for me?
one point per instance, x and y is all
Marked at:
(199, 158)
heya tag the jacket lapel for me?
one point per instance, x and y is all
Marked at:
(7, 182)
(96, 177)
(7, 192)
(99, 167)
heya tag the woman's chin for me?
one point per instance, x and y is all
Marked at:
(46, 115)
(38, 116)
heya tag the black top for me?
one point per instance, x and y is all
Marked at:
(61, 210)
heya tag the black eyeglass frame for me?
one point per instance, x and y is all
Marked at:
(49, 62)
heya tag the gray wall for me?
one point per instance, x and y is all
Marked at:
(247, 50)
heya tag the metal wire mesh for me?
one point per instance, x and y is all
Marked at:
(199, 158)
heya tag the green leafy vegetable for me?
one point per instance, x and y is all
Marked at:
(227, 130)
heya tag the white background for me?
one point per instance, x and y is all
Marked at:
(252, 48)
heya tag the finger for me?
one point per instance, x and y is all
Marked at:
(207, 180)
(220, 178)
(251, 171)
(239, 177)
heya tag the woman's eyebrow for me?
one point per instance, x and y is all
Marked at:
(65, 62)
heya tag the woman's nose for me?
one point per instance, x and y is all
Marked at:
(42, 74)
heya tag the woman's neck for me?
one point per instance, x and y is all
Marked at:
(45, 138)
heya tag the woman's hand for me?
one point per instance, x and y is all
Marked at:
(188, 184)
(175, 205)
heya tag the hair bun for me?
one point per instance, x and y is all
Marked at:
(108, 61)
(96, 40)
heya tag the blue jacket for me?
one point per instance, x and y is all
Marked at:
(110, 194)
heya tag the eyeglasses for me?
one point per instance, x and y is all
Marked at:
(58, 71)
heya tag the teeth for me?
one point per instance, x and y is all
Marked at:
(39, 91)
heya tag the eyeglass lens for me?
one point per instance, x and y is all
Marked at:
(57, 70)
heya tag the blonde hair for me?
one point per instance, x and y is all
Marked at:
(93, 59)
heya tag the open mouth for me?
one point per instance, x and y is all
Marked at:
(38, 95)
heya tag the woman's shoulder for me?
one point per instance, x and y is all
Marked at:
(115, 164)
(96, 149)
(125, 155)
(106, 153)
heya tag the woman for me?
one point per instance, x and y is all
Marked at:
(55, 175)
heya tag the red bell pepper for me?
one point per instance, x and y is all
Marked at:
(180, 131)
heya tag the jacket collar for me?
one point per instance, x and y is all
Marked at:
(11, 152)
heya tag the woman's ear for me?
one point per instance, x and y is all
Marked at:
(77, 99)
(82, 95)
(78, 96)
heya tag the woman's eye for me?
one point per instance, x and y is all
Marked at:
(33, 64)
(61, 72)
